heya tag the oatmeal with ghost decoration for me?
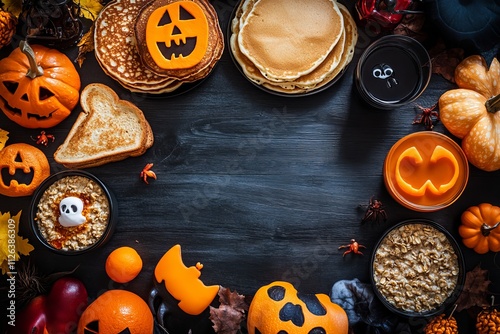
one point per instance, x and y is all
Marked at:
(73, 213)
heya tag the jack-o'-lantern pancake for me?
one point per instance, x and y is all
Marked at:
(179, 39)
(286, 39)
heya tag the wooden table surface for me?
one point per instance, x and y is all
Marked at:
(255, 186)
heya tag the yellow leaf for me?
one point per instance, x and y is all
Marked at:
(4, 136)
(11, 244)
(13, 6)
(86, 44)
(89, 8)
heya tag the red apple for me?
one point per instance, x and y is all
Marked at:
(55, 313)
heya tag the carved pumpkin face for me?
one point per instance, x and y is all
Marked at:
(279, 308)
(177, 35)
(117, 312)
(22, 168)
(42, 101)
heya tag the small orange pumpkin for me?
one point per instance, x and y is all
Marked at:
(115, 312)
(279, 308)
(22, 168)
(39, 87)
(480, 228)
(469, 112)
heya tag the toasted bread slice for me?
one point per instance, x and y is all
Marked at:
(108, 129)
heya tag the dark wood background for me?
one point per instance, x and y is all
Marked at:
(255, 186)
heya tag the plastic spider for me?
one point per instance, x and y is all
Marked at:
(428, 117)
(375, 212)
(353, 247)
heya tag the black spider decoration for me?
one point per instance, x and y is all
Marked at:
(375, 212)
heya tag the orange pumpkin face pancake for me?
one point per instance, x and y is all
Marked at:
(179, 39)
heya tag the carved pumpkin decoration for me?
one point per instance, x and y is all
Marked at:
(469, 112)
(177, 35)
(179, 298)
(22, 168)
(39, 87)
(117, 312)
(480, 228)
(279, 308)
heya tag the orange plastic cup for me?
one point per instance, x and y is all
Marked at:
(426, 171)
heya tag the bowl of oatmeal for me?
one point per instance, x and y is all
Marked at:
(417, 269)
(73, 212)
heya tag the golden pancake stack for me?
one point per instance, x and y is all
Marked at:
(292, 46)
(155, 46)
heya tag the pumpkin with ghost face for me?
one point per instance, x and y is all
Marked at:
(279, 308)
(22, 168)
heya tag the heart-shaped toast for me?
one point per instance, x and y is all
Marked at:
(108, 129)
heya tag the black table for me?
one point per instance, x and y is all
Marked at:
(255, 186)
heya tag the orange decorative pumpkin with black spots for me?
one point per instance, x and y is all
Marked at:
(279, 308)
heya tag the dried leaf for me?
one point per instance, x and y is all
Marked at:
(444, 61)
(90, 9)
(412, 25)
(13, 6)
(86, 44)
(475, 291)
(228, 316)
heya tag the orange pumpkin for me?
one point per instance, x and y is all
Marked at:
(22, 168)
(469, 112)
(177, 35)
(115, 312)
(279, 308)
(39, 87)
(480, 228)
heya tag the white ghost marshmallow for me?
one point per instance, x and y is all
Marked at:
(71, 212)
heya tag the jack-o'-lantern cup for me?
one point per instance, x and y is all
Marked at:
(393, 71)
(179, 299)
(73, 212)
(426, 171)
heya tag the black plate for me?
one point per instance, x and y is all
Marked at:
(270, 91)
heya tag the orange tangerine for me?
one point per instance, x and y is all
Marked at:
(123, 264)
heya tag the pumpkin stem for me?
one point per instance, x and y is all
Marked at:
(34, 70)
(486, 229)
(493, 104)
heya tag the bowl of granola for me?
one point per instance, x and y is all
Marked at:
(417, 268)
(73, 212)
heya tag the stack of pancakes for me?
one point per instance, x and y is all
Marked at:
(292, 46)
(120, 48)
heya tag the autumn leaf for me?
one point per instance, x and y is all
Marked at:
(90, 8)
(475, 291)
(444, 61)
(11, 244)
(86, 44)
(228, 316)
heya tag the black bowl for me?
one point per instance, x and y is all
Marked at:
(452, 297)
(111, 221)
